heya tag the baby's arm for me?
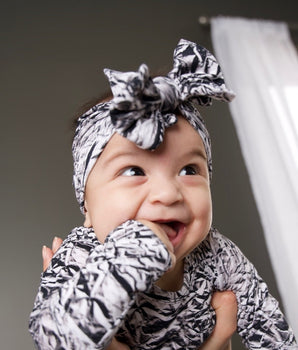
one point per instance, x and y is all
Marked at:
(47, 255)
(84, 308)
(261, 323)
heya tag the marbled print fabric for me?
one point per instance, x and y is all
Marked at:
(92, 292)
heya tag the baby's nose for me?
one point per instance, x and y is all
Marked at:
(165, 191)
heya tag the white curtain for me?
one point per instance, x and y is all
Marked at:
(260, 64)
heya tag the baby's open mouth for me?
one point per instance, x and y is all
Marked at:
(172, 228)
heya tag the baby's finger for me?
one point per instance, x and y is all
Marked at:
(57, 241)
(225, 306)
(47, 255)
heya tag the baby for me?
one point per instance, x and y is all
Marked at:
(147, 261)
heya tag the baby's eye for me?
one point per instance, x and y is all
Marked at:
(133, 171)
(189, 170)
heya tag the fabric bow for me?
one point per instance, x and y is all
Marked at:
(142, 107)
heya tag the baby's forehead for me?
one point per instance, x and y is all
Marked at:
(181, 138)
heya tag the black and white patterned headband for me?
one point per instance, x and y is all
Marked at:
(142, 108)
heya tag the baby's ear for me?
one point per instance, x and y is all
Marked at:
(87, 222)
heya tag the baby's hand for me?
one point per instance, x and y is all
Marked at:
(225, 306)
(161, 234)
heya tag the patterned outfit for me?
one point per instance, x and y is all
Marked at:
(92, 292)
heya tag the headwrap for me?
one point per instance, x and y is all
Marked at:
(142, 108)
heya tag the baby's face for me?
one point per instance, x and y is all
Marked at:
(168, 186)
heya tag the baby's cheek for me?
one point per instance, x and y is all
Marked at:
(204, 212)
(209, 213)
(109, 220)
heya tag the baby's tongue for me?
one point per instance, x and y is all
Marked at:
(169, 229)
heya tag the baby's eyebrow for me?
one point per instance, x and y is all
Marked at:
(119, 154)
(198, 153)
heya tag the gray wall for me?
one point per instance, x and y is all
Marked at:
(52, 56)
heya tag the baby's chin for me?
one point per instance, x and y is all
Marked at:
(100, 234)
